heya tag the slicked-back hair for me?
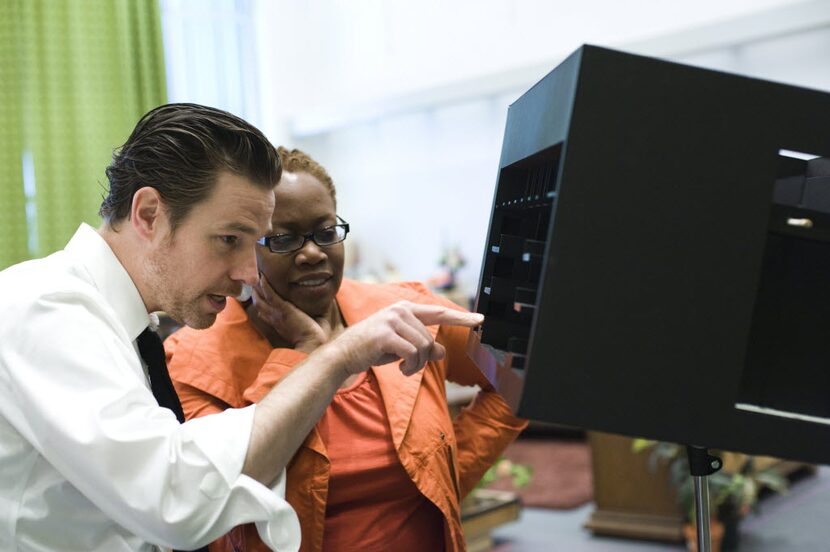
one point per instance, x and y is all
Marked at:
(180, 149)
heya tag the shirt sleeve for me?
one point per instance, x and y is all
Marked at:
(72, 385)
(485, 427)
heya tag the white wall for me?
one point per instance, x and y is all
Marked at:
(405, 102)
(210, 54)
(415, 183)
(801, 58)
(337, 53)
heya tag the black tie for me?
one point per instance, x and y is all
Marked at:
(152, 351)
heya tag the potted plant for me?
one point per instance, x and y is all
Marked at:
(733, 492)
(519, 474)
(483, 509)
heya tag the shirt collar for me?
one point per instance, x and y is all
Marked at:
(111, 279)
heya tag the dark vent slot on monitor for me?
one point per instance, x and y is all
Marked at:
(525, 201)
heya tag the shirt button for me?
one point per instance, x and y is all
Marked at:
(442, 436)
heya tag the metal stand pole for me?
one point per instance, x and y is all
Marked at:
(702, 465)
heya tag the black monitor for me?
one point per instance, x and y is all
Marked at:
(658, 258)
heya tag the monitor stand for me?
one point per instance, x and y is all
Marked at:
(702, 465)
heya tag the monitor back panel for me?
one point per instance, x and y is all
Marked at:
(629, 281)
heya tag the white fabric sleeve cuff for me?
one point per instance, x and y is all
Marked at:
(223, 438)
(283, 531)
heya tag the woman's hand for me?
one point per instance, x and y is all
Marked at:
(292, 324)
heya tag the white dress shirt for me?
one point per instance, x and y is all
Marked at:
(88, 459)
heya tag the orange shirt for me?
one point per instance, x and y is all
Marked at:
(231, 365)
(372, 503)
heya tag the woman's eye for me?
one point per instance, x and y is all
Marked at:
(327, 234)
(284, 239)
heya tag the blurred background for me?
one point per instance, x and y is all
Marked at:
(403, 102)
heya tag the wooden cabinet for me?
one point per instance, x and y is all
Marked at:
(632, 500)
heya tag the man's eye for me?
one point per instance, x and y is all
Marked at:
(229, 240)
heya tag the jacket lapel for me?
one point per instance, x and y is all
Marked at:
(399, 392)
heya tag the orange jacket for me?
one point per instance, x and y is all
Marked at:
(232, 365)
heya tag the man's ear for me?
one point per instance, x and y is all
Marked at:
(147, 214)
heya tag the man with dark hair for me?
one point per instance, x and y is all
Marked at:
(178, 149)
(92, 455)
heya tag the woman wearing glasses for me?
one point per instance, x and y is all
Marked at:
(385, 468)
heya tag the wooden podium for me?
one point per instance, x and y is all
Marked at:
(633, 501)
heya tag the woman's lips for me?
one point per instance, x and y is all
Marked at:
(312, 281)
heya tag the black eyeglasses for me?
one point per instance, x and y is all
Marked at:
(288, 243)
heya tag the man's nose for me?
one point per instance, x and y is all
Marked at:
(246, 270)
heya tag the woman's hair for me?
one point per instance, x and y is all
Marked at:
(179, 149)
(296, 161)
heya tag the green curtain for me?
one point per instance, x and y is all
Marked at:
(77, 75)
(13, 246)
